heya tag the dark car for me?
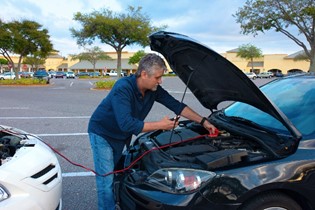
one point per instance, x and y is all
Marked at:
(82, 74)
(94, 74)
(279, 74)
(42, 75)
(60, 74)
(262, 157)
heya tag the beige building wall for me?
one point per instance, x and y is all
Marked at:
(279, 61)
(268, 61)
(241, 63)
(53, 62)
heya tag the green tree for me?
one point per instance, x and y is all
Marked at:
(6, 42)
(3, 62)
(284, 16)
(117, 30)
(24, 38)
(92, 55)
(136, 57)
(249, 52)
(29, 38)
(35, 60)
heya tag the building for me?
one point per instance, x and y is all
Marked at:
(283, 63)
(104, 66)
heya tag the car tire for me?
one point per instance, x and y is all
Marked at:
(272, 200)
(254, 78)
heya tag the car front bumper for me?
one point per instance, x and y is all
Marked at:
(132, 197)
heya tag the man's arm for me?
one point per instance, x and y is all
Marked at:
(164, 124)
(193, 116)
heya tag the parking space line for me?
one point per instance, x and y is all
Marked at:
(77, 174)
(14, 107)
(180, 92)
(61, 134)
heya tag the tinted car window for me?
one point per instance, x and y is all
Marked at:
(295, 97)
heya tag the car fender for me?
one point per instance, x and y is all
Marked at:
(241, 185)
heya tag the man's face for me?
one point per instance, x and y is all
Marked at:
(152, 81)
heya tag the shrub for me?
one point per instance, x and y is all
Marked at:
(107, 84)
(23, 81)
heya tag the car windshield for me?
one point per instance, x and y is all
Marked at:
(294, 96)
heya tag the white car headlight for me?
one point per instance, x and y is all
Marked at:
(3, 194)
(179, 180)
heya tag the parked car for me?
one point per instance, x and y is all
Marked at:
(278, 74)
(42, 75)
(52, 73)
(60, 74)
(25, 74)
(265, 75)
(251, 75)
(70, 74)
(94, 74)
(261, 157)
(7, 75)
(114, 73)
(30, 174)
(81, 74)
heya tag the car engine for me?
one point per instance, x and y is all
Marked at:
(191, 147)
(9, 144)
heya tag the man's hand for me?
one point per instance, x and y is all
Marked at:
(164, 124)
(168, 124)
(211, 128)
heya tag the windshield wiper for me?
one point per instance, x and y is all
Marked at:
(251, 123)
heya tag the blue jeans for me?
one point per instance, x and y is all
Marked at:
(104, 163)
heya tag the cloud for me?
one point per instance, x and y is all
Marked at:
(210, 22)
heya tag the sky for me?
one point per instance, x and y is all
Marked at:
(211, 22)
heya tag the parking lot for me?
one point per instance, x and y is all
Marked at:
(59, 114)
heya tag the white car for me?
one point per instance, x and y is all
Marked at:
(265, 75)
(30, 174)
(113, 73)
(251, 75)
(7, 75)
(70, 74)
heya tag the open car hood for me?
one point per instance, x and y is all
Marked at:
(212, 78)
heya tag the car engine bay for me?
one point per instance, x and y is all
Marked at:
(190, 146)
(9, 144)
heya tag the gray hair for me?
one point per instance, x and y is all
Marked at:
(149, 63)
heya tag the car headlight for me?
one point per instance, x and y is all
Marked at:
(3, 194)
(179, 180)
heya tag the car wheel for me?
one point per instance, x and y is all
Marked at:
(254, 78)
(271, 201)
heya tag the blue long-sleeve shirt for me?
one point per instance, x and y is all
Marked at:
(122, 112)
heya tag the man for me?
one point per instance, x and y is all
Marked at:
(121, 114)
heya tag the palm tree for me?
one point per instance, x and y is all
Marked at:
(249, 52)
